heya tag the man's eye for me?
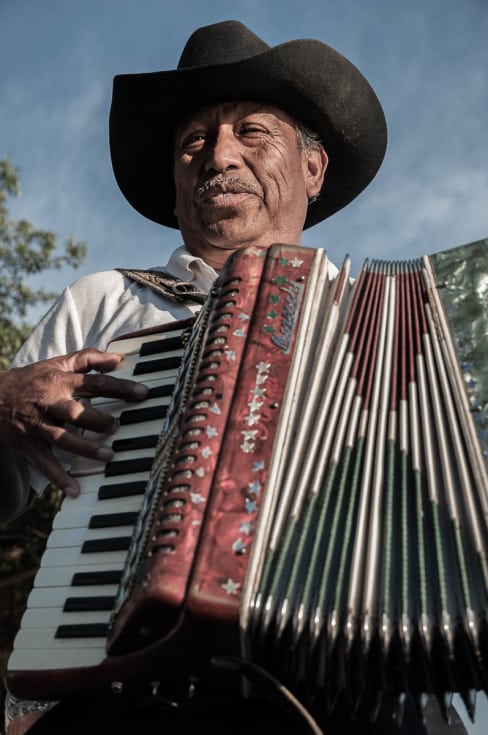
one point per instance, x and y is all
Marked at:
(252, 129)
(192, 141)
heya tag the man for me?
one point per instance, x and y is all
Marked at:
(218, 203)
(264, 142)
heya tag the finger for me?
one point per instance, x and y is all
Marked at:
(82, 416)
(41, 456)
(81, 446)
(99, 384)
(77, 444)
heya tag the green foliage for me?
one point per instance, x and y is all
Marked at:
(21, 545)
(25, 251)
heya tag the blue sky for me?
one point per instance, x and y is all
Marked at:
(426, 59)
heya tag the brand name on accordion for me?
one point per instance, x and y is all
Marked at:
(293, 295)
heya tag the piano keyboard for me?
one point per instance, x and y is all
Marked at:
(66, 621)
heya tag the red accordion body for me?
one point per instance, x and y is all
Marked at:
(194, 557)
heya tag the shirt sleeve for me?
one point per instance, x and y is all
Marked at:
(58, 333)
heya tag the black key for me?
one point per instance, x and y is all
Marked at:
(161, 391)
(121, 490)
(82, 579)
(135, 442)
(89, 604)
(137, 415)
(154, 366)
(102, 545)
(159, 346)
(128, 466)
(110, 520)
(83, 630)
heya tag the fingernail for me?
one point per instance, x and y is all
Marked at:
(105, 454)
(141, 390)
(72, 491)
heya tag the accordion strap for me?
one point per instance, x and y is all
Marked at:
(167, 285)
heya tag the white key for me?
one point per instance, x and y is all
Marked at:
(55, 597)
(89, 652)
(129, 431)
(80, 516)
(77, 536)
(132, 345)
(96, 467)
(152, 380)
(38, 639)
(62, 576)
(45, 617)
(71, 556)
(92, 483)
(116, 407)
(126, 368)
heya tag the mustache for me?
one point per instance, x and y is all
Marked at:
(223, 184)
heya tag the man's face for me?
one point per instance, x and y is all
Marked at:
(240, 179)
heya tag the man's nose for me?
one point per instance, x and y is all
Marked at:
(223, 152)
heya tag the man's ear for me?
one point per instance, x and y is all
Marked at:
(316, 161)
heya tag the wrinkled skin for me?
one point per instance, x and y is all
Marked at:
(36, 401)
(241, 179)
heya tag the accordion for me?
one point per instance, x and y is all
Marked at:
(317, 501)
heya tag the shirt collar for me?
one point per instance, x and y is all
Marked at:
(190, 268)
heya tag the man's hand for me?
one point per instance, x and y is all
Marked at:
(36, 401)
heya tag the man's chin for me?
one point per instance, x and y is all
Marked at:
(230, 231)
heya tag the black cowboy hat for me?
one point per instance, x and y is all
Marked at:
(225, 62)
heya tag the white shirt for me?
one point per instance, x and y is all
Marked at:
(99, 307)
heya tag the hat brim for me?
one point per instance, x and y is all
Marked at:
(307, 78)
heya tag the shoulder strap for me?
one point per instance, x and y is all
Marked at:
(164, 283)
